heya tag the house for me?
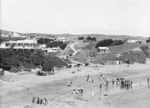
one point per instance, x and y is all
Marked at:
(102, 50)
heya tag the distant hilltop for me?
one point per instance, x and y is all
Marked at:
(5, 33)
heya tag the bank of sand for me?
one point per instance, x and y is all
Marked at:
(14, 92)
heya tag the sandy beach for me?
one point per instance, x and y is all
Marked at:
(18, 89)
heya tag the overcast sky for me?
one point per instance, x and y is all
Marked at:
(125, 17)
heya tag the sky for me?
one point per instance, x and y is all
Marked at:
(116, 17)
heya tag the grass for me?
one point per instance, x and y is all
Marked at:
(125, 47)
(87, 49)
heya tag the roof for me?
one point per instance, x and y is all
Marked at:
(103, 48)
(23, 41)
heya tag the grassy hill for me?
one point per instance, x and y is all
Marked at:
(5, 32)
(76, 36)
(125, 47)
(129, 51)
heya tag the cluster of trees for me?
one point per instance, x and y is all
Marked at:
(81, 38)
(109, 42)
(91, 38)
(88, 38)
(60, 44)
(44, 41)
(10, 58)
(148, 41)
(51, 43)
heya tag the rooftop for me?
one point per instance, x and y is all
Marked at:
(23, 41)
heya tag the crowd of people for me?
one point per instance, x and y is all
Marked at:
(40, 101)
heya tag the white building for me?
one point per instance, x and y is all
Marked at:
(63, 39)
(103, 50)
(4, 35)
(54, 49)
(14, 34)
(129, 41)
(28, 44)
(20, 44)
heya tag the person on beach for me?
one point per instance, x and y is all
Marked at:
(140, 83)
(87, 78)
(131, 84)
(33, 99)
(148, 81)
(100, 87)
(41, 101)
(38, 100)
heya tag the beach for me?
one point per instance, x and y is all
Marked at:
(18, 89)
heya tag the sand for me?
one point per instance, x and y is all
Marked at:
(14, 92)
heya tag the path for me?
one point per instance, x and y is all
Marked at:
(72, 47)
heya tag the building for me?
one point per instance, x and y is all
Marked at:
(63, 39)
(102, 50)
(130, 41)
(54, 49)
(4, 35)
(20, 44)
(113, 62)
(28, 44)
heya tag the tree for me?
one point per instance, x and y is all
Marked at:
(47, 66)
(63, 46)
(88, 38)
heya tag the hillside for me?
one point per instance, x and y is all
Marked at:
(5, 32)
(89, 53)
(75, 36)
(125, 47)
